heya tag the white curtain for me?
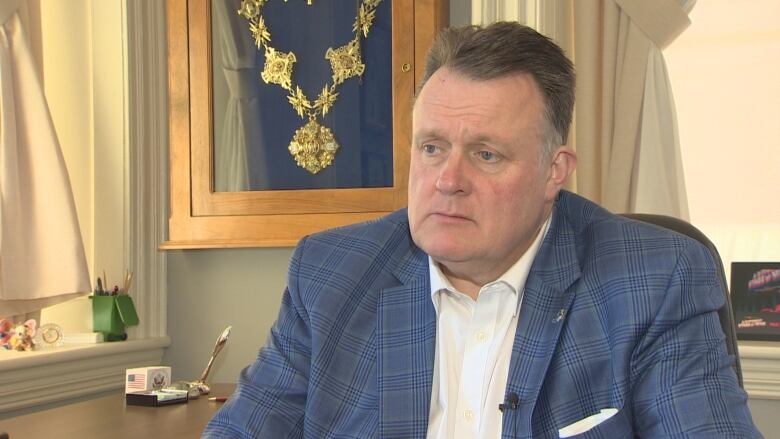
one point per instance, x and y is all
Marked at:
(626, 127)
(658, 184)
(42, 259)
(240, 130)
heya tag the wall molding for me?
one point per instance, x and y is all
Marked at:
(761, 369)
(488, 11)
(32, 378)
(146, 162)
(549, 17)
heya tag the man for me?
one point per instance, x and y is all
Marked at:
(498, 305)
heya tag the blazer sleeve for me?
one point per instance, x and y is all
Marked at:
(270, 398)
(684, 384)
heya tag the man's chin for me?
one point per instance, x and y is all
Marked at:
(446, 251)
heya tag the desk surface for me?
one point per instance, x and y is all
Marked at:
(109, 417)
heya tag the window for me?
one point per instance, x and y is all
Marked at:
(724, 71)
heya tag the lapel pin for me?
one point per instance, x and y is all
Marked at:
(560, 316)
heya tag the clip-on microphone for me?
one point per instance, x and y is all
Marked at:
(510, 403)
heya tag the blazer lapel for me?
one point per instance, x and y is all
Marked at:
(546, 301)
(406, 343)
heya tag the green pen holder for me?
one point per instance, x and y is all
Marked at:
(111, 314)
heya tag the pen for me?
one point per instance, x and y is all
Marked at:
(218, 398)
(128, 281)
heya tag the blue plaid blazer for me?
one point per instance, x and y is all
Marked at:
(615, 314)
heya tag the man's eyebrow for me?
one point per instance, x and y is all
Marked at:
(434, 133)
(428, 134)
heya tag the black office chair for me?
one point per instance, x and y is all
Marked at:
(726, 314)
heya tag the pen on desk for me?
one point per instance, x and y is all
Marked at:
(218, 398)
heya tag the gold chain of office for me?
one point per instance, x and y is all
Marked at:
(313, 145)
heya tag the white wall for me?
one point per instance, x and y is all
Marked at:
(210, 289)
(66, 64)
(83, 72)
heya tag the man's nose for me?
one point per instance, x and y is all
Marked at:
(453, 175)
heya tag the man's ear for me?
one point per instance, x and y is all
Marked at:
(562, 165)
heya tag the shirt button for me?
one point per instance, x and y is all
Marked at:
(481, 336)
(469, 415)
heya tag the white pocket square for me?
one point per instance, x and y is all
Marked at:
(586, 424)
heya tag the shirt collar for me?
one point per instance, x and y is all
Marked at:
(514, 277)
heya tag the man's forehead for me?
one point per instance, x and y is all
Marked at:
(512, 101)
(523, 87)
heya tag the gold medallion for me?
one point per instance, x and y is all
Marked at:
(313, 146)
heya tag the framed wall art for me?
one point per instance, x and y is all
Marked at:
(755, 299)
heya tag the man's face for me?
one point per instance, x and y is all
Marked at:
(479, 189)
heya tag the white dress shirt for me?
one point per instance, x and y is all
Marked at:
(473, 348)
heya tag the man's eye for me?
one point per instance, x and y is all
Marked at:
(487, 156)
(429, 149)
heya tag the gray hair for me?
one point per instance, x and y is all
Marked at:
(503, 48)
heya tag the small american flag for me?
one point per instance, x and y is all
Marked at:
(136, 381)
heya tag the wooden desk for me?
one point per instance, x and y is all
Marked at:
(110, 418)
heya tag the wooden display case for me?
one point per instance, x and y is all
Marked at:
(201, 217)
